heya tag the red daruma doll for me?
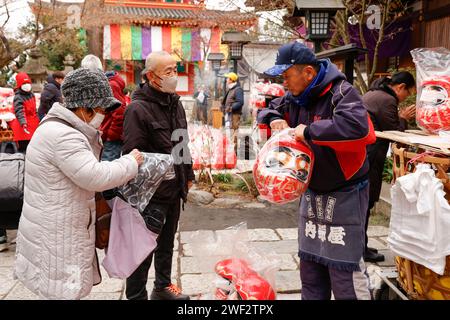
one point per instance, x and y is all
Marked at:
(433, 112)
(283, 168)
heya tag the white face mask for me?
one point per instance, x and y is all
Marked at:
(26, 87)
(96, 121)
(168, 84)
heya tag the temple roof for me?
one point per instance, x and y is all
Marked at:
(109, 12)
(188, 16)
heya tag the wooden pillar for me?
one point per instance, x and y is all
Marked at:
(95, 41)
(91, 19)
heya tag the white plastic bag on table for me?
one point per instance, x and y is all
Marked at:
(130, 241)
(242, 272)
(433, 88)
(155, 169)
(420, 219)
(283, 168)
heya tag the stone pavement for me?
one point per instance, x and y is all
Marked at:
(192, 272)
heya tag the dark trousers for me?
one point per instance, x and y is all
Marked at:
(318, 281)
(202, 113)
(136, 283)
(371, 205)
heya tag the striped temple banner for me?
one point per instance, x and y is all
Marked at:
(146, 42)
(136, 42)
(125, 42)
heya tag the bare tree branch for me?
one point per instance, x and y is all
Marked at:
(7, 14)
(269, 7)
(4, 40)
(37, 16)
(363, 40)
(380, 39)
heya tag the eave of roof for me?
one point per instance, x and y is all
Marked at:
(198, 16)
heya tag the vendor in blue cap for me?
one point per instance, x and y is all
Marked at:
(328, 114)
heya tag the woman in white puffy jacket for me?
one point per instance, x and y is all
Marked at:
(55, 256)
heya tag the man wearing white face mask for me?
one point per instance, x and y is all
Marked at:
(55, 256)
(24, 104)
(151, 118)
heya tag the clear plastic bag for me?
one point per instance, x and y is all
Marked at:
(156, 168)
(211, 148)
(242, 272)
(283, 168)
(433, 88)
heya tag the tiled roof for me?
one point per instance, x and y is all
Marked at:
(153, 12)
(176, 14)
(135, 14)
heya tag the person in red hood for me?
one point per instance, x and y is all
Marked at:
(112, 126)
(128, 92)
(24, 104)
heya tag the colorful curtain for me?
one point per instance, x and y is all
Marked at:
(125, 42)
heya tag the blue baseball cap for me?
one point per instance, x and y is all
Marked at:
(290, 54)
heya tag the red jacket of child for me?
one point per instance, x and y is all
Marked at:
(112, 126)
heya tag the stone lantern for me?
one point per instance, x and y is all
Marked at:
(69, 62)
(35, 68)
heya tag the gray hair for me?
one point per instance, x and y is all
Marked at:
(91, 62)
(152, 60)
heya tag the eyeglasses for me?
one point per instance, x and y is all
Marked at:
(170, 72)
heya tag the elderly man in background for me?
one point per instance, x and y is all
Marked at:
(91, 62)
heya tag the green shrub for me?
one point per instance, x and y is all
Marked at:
(241, 186)
(388, 174)
(223, 177)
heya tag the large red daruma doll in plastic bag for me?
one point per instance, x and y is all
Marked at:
(433, 110)
(283, 168)
(248, 284)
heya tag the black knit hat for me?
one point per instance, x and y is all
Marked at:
(88, 88)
